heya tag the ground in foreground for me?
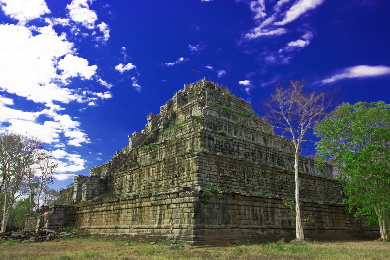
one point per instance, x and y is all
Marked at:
(92, 248)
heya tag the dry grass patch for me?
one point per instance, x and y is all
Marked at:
(110, 249)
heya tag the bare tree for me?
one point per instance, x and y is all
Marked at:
(45, 166)
(32, 186)
(16, 156)
(291, 110)
(50, 197)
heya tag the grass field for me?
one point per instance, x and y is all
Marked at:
(92, 248)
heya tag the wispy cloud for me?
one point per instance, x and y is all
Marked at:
(301, 7)
(123, 52)
(122, 68)
(360, 71)
(269, 18)
(104, 83)
(258, 32)
(104, 29)
(209, 67)
(258, 8)
(300, 43)
(197, 49)
(221, 73)
(136, 86)
(247, 86)
(180, 60)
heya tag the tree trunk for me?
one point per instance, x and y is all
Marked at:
(298, 223)
(5, 217)
(381, 213)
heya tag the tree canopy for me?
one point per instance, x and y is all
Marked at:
(357, 138)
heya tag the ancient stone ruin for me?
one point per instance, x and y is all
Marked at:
(205, 170)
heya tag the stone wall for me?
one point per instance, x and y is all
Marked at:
(57, 216)
(163, 215)
(66, 196)
(229, 217)
(224, 217)
(93, 187)
(60, 216)
(238, 174)
(78, 187)
(31, 221)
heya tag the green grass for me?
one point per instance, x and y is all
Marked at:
(98, 248)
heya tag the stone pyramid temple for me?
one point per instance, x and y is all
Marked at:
(205, 170)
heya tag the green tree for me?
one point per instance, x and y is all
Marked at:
(17, 214)
(296, 112)
(357, 138)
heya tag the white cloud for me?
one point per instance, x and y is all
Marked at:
(79, 12)
(99, 159)
(135, 84)
(67, 163)
(360, 71)
(24, 10)
(62, 21)
(99, 153)
(209, 67)
(77, 137)
(104, 83)
(74, 66)
(49, 132)
(221, 73)
(298, 43)
(104, 28)
(36, 57)
(6, 101)
(245, 82)
(180, 60)
(298, 9)
(104, 95)
(258, 8)
(122, 68)
(197, 49)
(257, 32)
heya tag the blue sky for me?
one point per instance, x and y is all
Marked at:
(82, 75)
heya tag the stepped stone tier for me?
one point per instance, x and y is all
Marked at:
(205, 170)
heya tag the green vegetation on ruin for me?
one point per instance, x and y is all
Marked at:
(171, 127)
(199, 119)
(230, 109)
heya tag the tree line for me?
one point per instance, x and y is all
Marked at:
(26, 171)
